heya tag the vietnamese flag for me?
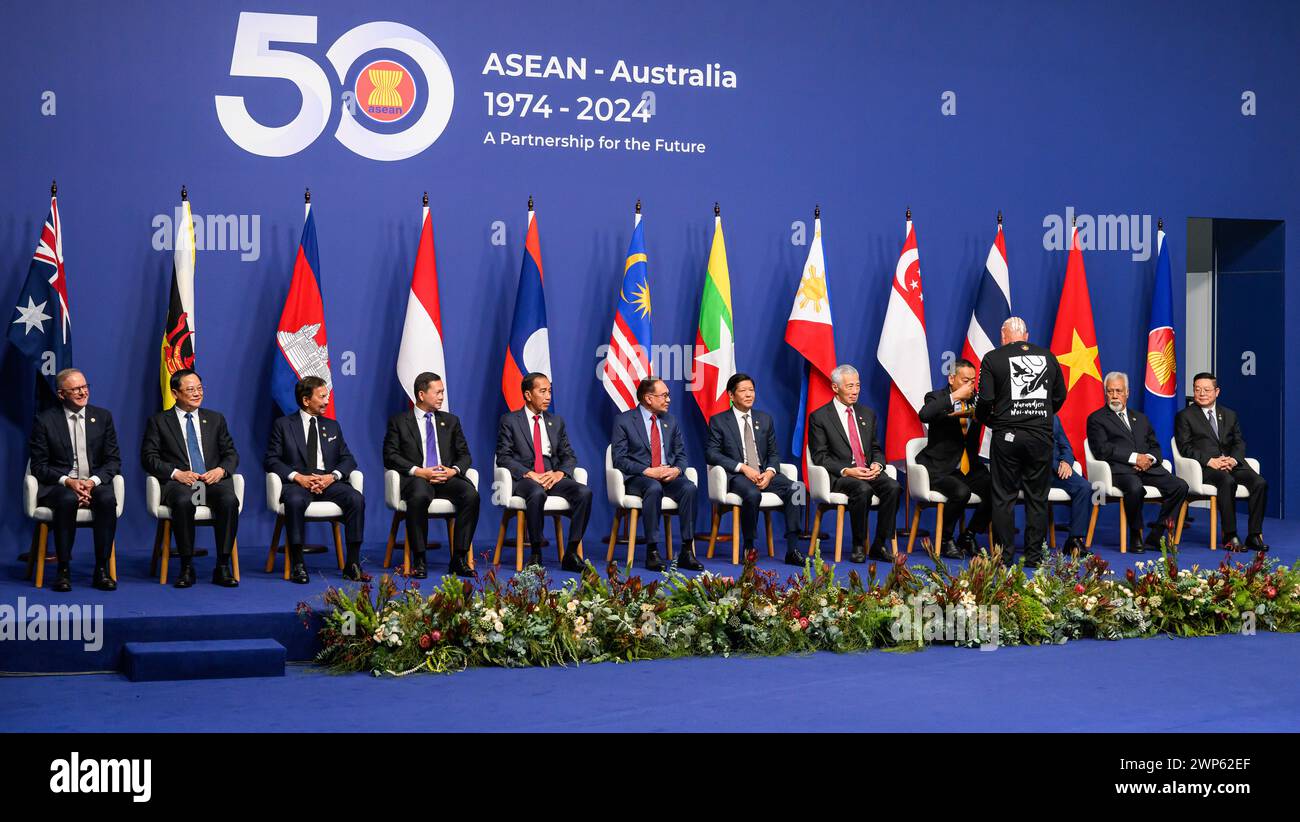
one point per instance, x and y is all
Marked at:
(1074, 342)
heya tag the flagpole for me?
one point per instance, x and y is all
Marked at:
(805, 457)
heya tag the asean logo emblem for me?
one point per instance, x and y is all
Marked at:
(1162, 365)
(385, 91)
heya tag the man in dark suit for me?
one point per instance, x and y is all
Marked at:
(74, 458)
(428, 448)
(842, 439)
(743, 443)
(648, 448)
(533, 445)
(1124, 439)
(952, 458)
(308, 452)
(1210, 434)
(190, 452)
(1072, 483)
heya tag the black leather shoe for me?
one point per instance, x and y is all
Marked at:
(185, 579)
(221, 576)
(352, 571)
(793, 557)
(686, 559)
(1075, 544)
(298, 574)
(879, 554)
(967, 545)
(950, 550)
(858, 556)
(62, 581)
(1255, 542)
(103, 581)
(1233, 544)
(652, 560)
(535, 558)
(460, 565)
(419, 569)
(572, 562)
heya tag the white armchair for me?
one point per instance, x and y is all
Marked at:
(513, 506)
(819, 484)
(1201, 493)
(918, 488)
(1059, 496)
(438, 509)
(1102, 479)
(44, 516)
(628, 506)
(162, 538)
(319, 511)
(724, 502)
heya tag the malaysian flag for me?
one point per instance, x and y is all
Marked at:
(42, 326)
(627, 361)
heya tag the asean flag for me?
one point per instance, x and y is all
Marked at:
(421, 347)
(530, 348)
(1160, 401)
(300, 337)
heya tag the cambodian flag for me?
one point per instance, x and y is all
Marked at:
(1161, 402)
(300, 336)
(530, 348)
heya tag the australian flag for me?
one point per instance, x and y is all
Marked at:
(42, 327)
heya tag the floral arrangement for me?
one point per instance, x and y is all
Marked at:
(526, 621)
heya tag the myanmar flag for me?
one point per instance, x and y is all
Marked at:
(178, 331)
(715, 350)
(1074, 342)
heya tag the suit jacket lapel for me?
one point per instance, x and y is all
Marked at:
(734, 425)
(172, 427)
(641, 428)
(838, 428)
(61, 431)
(300, 439)
(417, 435)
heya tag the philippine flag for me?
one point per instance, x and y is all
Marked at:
(300, 336)
(529, 349)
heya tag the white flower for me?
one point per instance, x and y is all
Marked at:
(964, 584)
(1155, 601)
(1139, 565)
(822, 602)
(498, 626)
(571, 606)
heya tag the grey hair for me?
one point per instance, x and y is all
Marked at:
(1115, 375)
(842, 371)
(63, 375)
(1015, 325)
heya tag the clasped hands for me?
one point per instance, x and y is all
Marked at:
(762, 480)
(1222, 463)
(436, 475)
(315, 483)
(662, 473)
(208, 478)
(867, 474)
(82, 488)
(546, 479)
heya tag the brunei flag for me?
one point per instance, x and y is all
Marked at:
(178, 331)
(715, 348)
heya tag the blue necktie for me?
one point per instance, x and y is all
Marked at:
(431, 458)
(192, 443)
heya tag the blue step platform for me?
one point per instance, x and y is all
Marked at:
(205, 659)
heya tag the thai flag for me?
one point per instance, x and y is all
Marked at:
(992, 304)
(627, 361)
(1161, 402)
(529, 349)
(300, 336)
(42, 323)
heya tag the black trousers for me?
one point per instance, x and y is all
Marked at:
(1171, 488)
(652, 492)
(575, 493)
(1226, 483)
(62, 502)
(859, 493)
(296, 499)
(958, 487)
(1024, 462)
(751, 496)
(419, 494)
(219, 498)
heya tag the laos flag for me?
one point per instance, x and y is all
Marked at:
(302, 350)
(529, 349)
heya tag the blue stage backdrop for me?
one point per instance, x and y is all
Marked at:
(956, 109)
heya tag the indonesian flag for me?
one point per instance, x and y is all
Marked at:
(810, 332)
(1074, 342)
(421, 347)
(715, 350)
(903, 352)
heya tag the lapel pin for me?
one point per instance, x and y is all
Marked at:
(92, 419)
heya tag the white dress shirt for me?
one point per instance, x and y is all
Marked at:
(1124, 421)
(842, 411)
(740, 421)
(424, 444)
(75, 417)
(649, 420)
(319, 456)
(541, 423)
(198, 433)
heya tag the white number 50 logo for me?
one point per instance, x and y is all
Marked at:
(254, 57)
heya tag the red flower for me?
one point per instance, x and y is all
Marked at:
(436, 636)
(425, 641)
(1079, 589)
(794, 612)
(1270, 592)
(803, 623)
(1132, 576)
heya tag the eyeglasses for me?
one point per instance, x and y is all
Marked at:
(198, 389)
(76, 389)
(665, 395)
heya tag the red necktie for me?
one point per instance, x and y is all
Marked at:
(859, 461)
(539, 466)
(656, 445)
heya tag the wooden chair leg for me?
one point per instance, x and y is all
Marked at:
(519, 541)
(1214, 523)
(501, 538)
(668, 536)
(406, 553)
(234, 558)
(1051, 527)
(1123, 528)
(916, 521)
(392, 539)
(814, 528)
(112, 561)
(166, 551)
(613, 536)
(40, 555)
(559, 535)
(1182, 517)
(338, 543)
(631, 535)
(767, 523)
(157, 541)
(1092, 524)
(735, 535)
(938, 526)
(275, 543)
(839, 531)
(713, 530)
